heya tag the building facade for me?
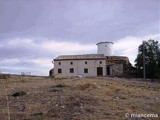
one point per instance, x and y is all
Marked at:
(83, 65)
(104, 63)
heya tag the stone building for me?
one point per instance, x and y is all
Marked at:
(90, 65)
(83, 65)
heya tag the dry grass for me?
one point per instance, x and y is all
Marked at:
(77, 99)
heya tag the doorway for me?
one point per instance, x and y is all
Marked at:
(99, 71)
(108, 70)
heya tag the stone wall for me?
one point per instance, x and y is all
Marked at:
(117, 70)
(119, 65)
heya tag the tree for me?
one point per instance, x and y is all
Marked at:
(151, 49)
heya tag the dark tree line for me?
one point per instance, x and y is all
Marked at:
(151, 49)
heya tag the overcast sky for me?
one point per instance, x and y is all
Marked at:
(34, 32)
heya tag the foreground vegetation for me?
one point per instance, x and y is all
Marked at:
(40, 98)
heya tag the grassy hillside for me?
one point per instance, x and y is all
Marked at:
(76, 98)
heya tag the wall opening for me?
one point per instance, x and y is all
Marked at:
(109, 70)
(99, 71)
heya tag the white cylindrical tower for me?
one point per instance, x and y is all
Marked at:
(105, 48)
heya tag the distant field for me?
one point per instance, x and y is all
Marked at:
(77, 98)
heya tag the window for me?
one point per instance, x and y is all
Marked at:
(59, 70)
(85, 70)
(85, 62)
(71, 63)
(59, 63)
(71, 70)
(100, 62)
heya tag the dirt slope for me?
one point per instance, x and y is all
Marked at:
(77, 98)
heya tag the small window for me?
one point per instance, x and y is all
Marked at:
(71, 63)
(59, 70)
(85, 70)
(71, 70)
(59, 63)
(85, 62)
(100, 62)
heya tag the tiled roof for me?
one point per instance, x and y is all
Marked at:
(80, 57)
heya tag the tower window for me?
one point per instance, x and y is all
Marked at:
(59, 63)
(71, 63)
(100, 62)
(85, 62)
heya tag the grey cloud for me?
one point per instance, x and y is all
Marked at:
(25, 51)
(84, 21)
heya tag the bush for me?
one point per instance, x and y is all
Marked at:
(55, 90)
(4, 76)
(38, 114)
(60, 85)
(19, 93)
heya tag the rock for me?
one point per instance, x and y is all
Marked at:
(115, 98)
(21, 107)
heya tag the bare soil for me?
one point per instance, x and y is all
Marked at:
(77, 98)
